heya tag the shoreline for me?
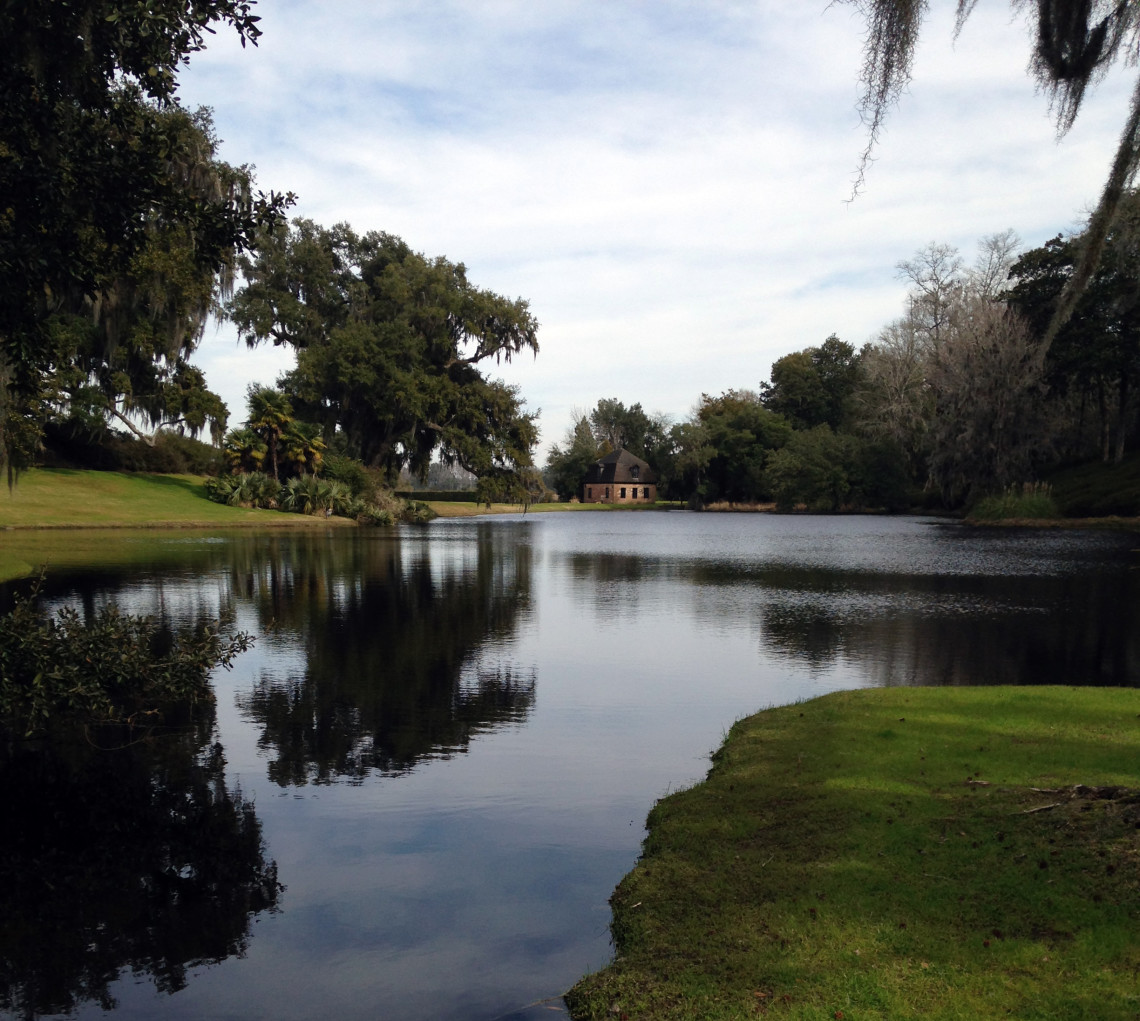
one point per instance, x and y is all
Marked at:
(892, 852)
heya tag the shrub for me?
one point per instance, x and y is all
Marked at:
(305, 494)
(1032, 500)
(255, 489)
(351, 473)
(370, 514)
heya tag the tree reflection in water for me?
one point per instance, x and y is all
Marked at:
(399, 650)
(135, 858)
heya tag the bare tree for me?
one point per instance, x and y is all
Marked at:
(987, 382)
(996, 255)
(893, 401)
(936, 273)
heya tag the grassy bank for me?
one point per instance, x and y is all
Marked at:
(37, 516)
(70, 498)
(455, 509)
(893, 853)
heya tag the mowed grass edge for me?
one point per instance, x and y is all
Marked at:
(59, 500)
(893, 853)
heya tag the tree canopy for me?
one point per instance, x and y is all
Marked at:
(814, 386)
(100, 171)
(1095, 357)
(390, 346)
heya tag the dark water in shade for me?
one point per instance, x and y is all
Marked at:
(446, 740)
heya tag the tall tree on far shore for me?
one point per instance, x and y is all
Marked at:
(1095, 357)
(391, 350)
(814, 386)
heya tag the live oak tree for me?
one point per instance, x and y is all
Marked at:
(123, 353)
(739, 434)
(1076, 41)
(95, 160)
(391, 348)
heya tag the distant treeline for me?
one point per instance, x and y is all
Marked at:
(956, 401)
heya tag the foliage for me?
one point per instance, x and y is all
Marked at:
(1095, 356)
(814, 386)
(270, 413)
(351, 473)
(104, 179)
(74, 443)
(1098, 489)
(884, 853)
(252, 489)
(313, 495)
(307, 494)
(271, 433)
(1029, 501)
(812, 469)
(566, 464)
(822, 470)
(244, 450)
(389, 345)
(112, 669)
(739, 432)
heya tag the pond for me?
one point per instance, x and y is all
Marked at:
(425, 779)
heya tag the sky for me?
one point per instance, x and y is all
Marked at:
(666, 182)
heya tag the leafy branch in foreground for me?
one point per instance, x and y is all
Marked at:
(114, 669)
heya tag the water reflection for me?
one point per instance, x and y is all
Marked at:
(920, 604)
(400, 653)
(137, 859)
(468, 888)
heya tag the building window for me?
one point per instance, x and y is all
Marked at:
(623, 492)
(589, 492)
(635, 492)
(607, 492)
(633, 470)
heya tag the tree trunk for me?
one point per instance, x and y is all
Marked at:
(1105, 425)
(273, 455)
(1122, 417)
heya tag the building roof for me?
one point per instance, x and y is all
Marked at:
(620, 467)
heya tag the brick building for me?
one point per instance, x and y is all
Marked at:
(619, 478)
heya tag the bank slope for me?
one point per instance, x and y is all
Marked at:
(72, 498)
(38, 516)
(894, 853)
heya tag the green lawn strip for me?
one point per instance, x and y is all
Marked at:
(874, 854)
(460, 509)
(38, 514)
(65, 498)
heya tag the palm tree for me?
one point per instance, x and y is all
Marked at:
(302, 447)
(270, 414)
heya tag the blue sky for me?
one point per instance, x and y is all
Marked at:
(664, 181)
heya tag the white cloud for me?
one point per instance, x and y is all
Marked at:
(664, 182)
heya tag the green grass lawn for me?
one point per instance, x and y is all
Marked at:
(893, 853)
(461, 509)
(62, 499)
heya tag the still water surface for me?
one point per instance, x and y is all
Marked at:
(448, 739)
